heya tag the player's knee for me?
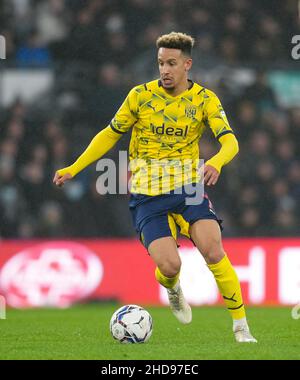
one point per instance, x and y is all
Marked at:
(213, 256)
(213, 251)
(170, 268)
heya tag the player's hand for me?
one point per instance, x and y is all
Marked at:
(211, 175)
(59, 180)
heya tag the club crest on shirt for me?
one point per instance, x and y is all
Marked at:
(190, 111)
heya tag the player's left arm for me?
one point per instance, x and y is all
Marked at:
(222, 131)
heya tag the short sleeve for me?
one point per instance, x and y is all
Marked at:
(126, 116)
(215, 115)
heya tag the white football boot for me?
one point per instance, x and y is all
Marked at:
(241, 332)
(180, 308)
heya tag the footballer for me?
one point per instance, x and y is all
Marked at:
(168, 117)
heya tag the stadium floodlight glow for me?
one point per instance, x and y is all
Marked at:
(2, 47)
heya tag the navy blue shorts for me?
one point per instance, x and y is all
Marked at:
(164, 215)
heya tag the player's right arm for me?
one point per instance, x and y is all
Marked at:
(103, 141)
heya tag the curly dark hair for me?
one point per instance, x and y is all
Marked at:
(175, 40)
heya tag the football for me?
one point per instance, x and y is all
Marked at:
(131, 324)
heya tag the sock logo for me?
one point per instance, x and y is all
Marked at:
(233, 300)
(230, 299)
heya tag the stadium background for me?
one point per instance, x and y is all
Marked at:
(70, 64)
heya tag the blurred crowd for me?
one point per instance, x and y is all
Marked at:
(234, 31)
(92, 46)
(258, 193)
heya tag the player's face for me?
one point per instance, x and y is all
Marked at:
(173, 67)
